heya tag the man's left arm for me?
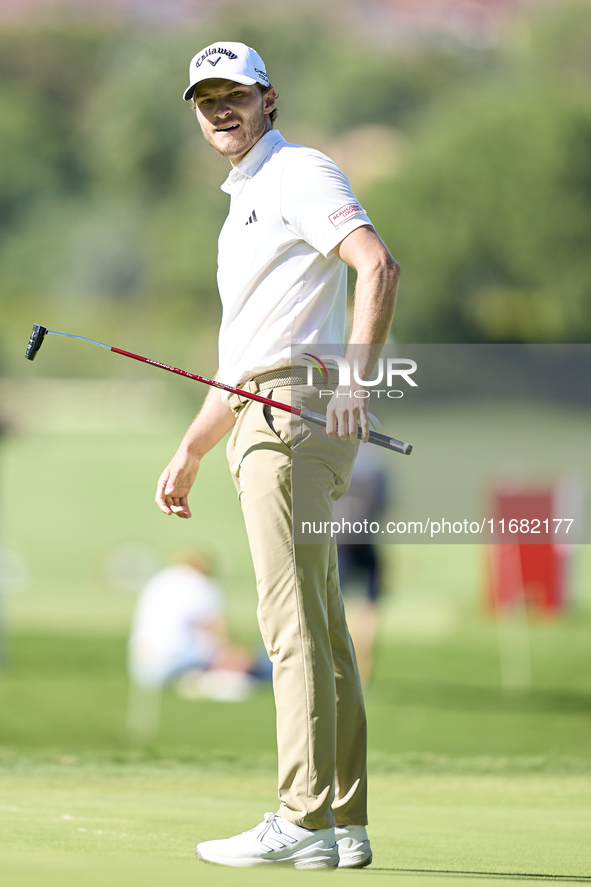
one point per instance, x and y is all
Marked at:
(373, 310)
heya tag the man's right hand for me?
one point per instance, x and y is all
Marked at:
(175, 483)
(214, 420)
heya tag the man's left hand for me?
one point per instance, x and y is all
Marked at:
(345, 414)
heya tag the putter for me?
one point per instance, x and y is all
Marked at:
(381, 440)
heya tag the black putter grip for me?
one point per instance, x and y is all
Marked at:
(35, 340)
(380, 440)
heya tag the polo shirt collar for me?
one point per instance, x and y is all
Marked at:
(250, 165)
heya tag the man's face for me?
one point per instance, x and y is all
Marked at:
(232, 117)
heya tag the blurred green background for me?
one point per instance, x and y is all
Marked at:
(468, 145)
(465, 129)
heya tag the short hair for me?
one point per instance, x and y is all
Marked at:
(264, 90)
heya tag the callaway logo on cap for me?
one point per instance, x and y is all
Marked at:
(226, 61)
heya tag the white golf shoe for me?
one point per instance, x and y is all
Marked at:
(354, 848)
(274, 840)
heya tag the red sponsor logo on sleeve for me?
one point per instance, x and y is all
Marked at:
(345, 212)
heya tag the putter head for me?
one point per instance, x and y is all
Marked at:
(36, 341)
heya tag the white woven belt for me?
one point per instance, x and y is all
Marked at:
(285, 378)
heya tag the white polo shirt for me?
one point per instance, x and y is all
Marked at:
(175, 612)
(290, 206)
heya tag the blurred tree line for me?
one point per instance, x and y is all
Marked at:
(110, 205)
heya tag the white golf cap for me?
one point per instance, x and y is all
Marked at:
(226, 61)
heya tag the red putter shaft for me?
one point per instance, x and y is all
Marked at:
(213, 382)
(380, 440)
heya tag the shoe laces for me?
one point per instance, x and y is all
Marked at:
(269, 822)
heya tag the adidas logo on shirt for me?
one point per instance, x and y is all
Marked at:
(252, 218)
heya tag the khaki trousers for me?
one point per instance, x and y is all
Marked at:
(275, 458)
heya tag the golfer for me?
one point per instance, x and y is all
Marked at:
(292, 228)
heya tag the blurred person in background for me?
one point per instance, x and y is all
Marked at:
(361, 564)
(179, 634)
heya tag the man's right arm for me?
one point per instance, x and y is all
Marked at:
(214, 420)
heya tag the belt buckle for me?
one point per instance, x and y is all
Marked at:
(251, 385)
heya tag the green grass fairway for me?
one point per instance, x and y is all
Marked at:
(479, 769)
(462, 778)
(439, 695)
(70, 499)
(131, 824)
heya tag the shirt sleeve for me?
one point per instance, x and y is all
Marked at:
(317, 202)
